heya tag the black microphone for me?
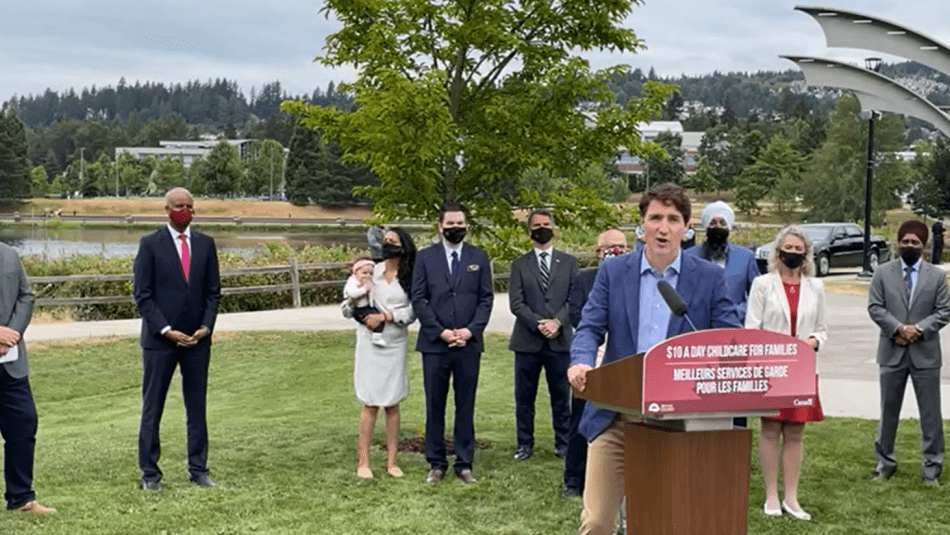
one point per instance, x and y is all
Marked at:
(674, 300)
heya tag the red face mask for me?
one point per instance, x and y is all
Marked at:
(181, 217)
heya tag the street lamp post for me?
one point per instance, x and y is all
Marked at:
(872, 64)
(82, 165)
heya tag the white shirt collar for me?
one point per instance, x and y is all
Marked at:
(175, 233)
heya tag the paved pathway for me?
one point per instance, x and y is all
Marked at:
(848, 385)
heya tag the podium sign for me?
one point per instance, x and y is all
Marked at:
(728, 370)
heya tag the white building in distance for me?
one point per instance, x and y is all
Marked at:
(186, 151)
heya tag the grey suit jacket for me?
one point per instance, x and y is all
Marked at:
(929, 309)
(530, 303)
(16, 305)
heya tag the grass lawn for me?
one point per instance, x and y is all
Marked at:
(283, 420)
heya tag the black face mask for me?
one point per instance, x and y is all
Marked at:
(542, 235)
(910, 255)
(717, 236)
(391, 251)
(454, 235)
(792, 260)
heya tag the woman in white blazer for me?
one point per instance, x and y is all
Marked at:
(788, 299)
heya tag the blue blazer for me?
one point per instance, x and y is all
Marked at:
(163, 296)
(580, 289)
(441, 304)
(614, 306)
(741, 269)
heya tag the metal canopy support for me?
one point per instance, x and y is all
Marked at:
(848, 29)
(874, 91)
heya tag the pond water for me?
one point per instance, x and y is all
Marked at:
(55, 243)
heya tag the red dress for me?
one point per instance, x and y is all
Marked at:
(798, 414)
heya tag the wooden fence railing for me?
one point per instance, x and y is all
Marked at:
(295, 286)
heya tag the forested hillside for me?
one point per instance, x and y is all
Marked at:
(768, 137)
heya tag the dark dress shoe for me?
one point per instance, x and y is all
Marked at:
(435, 476)
(572, 492)
(561, 452)
(466, 476)
(151, 485)
(203, 481)
(523, 453)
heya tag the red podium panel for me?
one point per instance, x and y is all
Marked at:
(694, 480)
(727, 370)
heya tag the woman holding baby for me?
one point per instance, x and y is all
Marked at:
(380, 377)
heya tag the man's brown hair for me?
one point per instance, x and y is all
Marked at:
(668, 194)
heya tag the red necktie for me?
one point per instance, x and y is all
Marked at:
(185, 255)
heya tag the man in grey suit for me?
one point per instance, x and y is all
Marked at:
(538, 292)
(17, 410)
(909, 300)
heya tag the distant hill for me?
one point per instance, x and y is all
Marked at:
(216, 103)
(766, 92)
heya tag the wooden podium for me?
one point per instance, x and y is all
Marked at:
(677, 482)
(684, 474)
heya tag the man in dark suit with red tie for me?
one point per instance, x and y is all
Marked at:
(452, 297)
(177, 290)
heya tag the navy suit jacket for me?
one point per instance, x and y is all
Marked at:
(162, 295)
(580, 289)
(445, 302)
(614, 306)
(741, 270)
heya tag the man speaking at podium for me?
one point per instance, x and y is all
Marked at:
(625, 307)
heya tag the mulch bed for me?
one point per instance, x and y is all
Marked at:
(417, 444)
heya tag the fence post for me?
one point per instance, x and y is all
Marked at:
(295, 281)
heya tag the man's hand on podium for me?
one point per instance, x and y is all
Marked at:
(577, 376)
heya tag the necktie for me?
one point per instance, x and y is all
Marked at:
(545, 271)
(908, 282)
(185, 255)
(455, 266)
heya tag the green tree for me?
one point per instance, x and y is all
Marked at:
(39, 182)
(930, 195)
(265, 167)
(223, 171)
(197, 181)
(14, 163)
(170, 173)
(704, 180)
(834, 181)
(667, 167)
(302, 163)
(775, 176)
(335, 179)
(456, 101)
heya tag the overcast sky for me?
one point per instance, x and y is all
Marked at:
(59, 44)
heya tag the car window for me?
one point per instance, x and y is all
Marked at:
(839, 233)
(855, 231)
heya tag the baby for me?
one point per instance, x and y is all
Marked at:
(356, 292)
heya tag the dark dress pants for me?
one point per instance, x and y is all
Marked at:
(575, 463)
(158, 368)
(893, 381)
(18, 428)
(527, 374)
(461, 367)
(937, 252)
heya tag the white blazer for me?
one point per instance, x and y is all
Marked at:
(768, 308)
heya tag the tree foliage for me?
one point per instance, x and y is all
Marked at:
(775, 176)
(456, 101)
(834, 182)
(930, 195)
(14, 163)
